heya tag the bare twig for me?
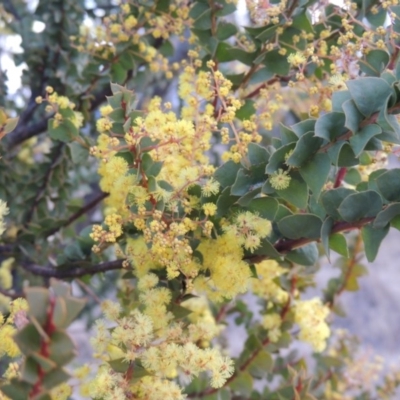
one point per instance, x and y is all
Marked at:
(71, 271)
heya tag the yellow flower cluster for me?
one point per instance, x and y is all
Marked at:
(8, 328)
(249, 229)
(266, 286)
(62, 108)
(310, 315)
(164, 347)
(280, 179)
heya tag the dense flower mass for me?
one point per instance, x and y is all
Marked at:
(212, 212)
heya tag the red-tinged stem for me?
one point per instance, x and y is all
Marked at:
(340, 176)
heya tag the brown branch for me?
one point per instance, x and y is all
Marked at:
(10, 293)
(40, 193)
(286, 245)
(69, 271)
(340, 176)
(78, 214)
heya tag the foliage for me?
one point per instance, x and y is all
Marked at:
(162, 115)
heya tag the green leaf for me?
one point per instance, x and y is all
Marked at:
(360, 205)
(361, 138)
(296, 193)
(226, 173)
(331, 200)
(242, 384)
(16, 390)
(287, 135)
(276, 63)
(257, 154)
(303, 127)
(65, 131)
(225, 202)
(61, 348)
(243, 183)
(225, 30)
(265, 207)
(178, 311)
(150, 167)
(247, 110)
(372, 239)
(306, 255)
(316, 172)
(331, 125)
(389, 184)
(277, 159)
(306, 146)
(28, 339)
(369, 94)
(266, 248)
(119, 365)
(375, 62)
(338, 243)
(353, 115)
(300, 226)
(30, 371)
(338, 100)
(38, 300)
(325, 233)
(54, 378)
(261, 365)
(386, 216)
(79, 154)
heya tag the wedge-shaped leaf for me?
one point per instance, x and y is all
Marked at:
(74, 307)
(331, 125)
(265, 207)
(338, 243)
(303, 127)
(30, 371)
(353, 115)
(338, 100)
(372, 239)
(54, 378)
(389, 184)
(360, 205)
(306, 146)
(369, 94)
(119, 365)
(246, 180)
(225, 202)
(61, 348)
(178, 311)
(28, 339)
(386, 216)
(16, 390)
(64, 131)
(266, 248)
(226, 173)
(315, 173)
(375, 62)
(61, 288)
(326, 230)
(332, 199)
(60, 312)
(45, 363)
(361, 138)
(300, 226)
(38, 300)
(150, 167)
(282, 212)
(261, 365)
(287, 135)
(242, 384)
(306, 255)
(277, 159)
(248, 197)
(346, 157)
(296, 193)
(257, 154)
(225, 30)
